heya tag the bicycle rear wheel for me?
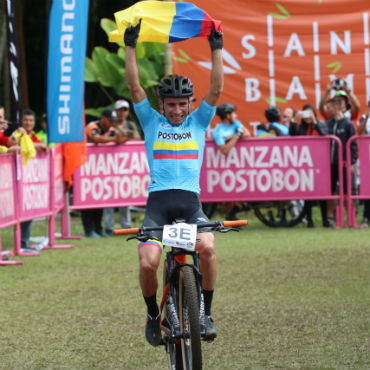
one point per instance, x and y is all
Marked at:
(189, 321)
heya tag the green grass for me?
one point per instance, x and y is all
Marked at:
(285, 299)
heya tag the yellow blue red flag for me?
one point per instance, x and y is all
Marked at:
(164, 21)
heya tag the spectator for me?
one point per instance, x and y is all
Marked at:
(101, 131)
(343, 128)
(226, 134)
(3, 127)
(310, 126)
(42, 134)
(288, 116)
(122, 108)
(28, 122)
(273, 127)
(5, 132)
(129, 129)
(364, 129)
(350, 105)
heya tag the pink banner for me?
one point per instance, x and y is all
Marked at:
(7, 191)
(267, 169)
(57, 153)
(34, 187)
(256, 169)
(364, 164)
(112, 176)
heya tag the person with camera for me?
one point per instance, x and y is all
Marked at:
(349, 103)
(6, 128)
(225, 135)
(364, 129)
(310, 126)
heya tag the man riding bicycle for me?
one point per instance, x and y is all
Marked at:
(174, 143)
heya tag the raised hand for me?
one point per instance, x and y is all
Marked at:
(132, 34)
(215, 40)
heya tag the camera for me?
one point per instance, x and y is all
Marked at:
(304, 113)
(12, 126)
(338, 84)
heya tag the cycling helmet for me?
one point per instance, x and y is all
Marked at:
(175, 86)
(272, 114)
(223, 109)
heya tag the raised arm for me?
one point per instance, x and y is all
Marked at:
(132, 71)
(324, 98)
(215, 40)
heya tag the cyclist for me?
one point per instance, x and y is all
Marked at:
(174, 142)
(225, 135)
(273, 127)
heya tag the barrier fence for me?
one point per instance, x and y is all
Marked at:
(256, 169)
(364, 176)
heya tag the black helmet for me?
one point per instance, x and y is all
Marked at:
(175, 86)
(272, 114)
(223, 109)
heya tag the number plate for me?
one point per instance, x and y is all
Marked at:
(180, 235)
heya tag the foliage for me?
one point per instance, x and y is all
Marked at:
(107, 69)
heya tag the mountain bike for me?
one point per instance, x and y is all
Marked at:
(271, 213)
(182, 304)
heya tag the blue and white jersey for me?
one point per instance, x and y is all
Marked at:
(175, 152)
(222, 131)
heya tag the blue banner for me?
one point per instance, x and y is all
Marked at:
(66, 70)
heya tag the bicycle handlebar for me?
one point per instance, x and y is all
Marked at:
(217, 224)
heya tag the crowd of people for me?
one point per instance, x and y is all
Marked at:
(341, 117)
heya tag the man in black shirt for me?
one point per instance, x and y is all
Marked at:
(343, 128)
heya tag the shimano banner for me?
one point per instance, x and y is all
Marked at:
(66, 70)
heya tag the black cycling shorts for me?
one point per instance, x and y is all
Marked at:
(166, 206)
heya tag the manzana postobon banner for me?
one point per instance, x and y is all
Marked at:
(66, 69)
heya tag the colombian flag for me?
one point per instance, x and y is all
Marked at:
(167, 150)
(164, 22)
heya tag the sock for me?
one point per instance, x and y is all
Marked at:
(151, 303)
(208, 295)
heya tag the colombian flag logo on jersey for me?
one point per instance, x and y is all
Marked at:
(167, 150)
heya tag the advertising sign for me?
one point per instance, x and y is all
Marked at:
(34, 187)
(281, 53)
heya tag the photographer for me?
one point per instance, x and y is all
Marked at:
(349, 102)
(311, 126)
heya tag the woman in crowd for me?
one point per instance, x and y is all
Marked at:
(310, 125)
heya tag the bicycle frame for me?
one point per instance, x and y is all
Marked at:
(176, 259)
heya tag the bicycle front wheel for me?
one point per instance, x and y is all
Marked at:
(189, 321)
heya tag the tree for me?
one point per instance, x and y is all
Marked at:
(107, 70)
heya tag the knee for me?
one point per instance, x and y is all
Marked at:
(207, 246)
(149, 263)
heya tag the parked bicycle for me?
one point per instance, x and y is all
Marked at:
(182, 304)
(271, 213)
